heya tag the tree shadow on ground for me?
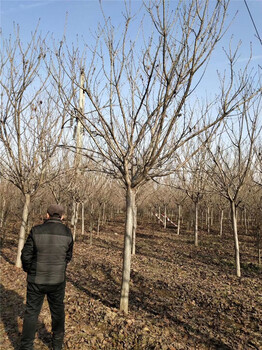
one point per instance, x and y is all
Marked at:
(221, 260)
(103, 243)
(12, 308)
(172, 309)
(107, 292)
(7, 259)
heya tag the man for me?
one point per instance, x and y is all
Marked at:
(45, 256)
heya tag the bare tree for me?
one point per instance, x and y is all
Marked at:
(136, 91)
(193, 179)
(169, 193)
(5, 199)
(257, 180)
(220, 204)
(30, 124)
(257, 174)
(232, 161)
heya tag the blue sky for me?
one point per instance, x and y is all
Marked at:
(84, 15)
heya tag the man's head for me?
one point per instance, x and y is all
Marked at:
(55, 211)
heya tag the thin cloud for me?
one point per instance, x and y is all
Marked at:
(26, 5)
(253, 58)
(35, 4)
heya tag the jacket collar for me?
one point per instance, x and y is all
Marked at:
(54, 219)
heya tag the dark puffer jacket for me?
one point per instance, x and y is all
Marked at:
(47, 251)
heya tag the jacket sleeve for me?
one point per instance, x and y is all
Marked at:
(69, 252)
(28, 253)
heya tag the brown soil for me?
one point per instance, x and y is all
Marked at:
(181, 297)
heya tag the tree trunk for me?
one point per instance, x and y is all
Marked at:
(165, 215)
(73, 213)
(91, 237)
(98, 222)
(245, 220)
(21, 241)
(91, 221)
(196, 224)
(234, 224)
(76, 207)
(134, 230)
(208, 220)
(104, 214)
(179, 219)
(130, 204)
(83, 219)
(221, 222)
(259, 245)
(3, 213)
(212, 217)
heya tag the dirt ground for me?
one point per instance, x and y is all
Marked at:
(181, 297)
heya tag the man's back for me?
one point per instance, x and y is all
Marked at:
(45, 256)
(47, 251)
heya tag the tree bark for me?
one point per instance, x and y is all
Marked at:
(75, 215)
(134, 230)
(165, 218)
(22, 230)
(3, 213)
(196, 224)
(104, 214)
(130, 204)
(208, 220)
(91, 237)
(179, 219)
(221, 222)
(234, 224)
(259, 245)
(245, 221)
(98, 222)
(83, 219)
(212, 217)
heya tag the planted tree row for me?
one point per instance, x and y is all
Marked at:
(141, 121)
